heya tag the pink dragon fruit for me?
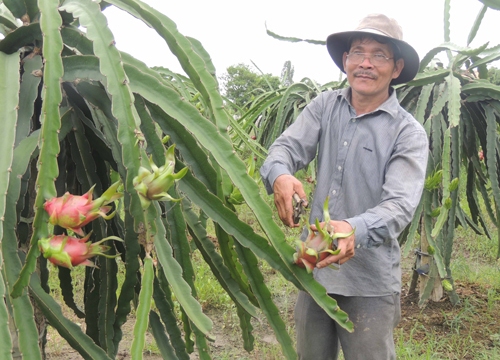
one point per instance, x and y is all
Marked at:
(75, 211)
(68, 251)
(319, 244)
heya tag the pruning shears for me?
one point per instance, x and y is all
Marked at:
(299, 208)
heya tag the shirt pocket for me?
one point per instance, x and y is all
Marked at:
(367, 169)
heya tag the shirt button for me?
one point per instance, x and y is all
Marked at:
(334, 192)
(345, 143)
(340, 168)
(353, 120)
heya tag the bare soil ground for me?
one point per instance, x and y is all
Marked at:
(474, 319)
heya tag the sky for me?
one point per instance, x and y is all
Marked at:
(234, 31)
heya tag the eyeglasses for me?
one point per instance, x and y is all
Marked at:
(357, 58)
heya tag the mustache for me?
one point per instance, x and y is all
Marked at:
(366, 73)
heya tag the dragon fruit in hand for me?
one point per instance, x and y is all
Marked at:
(318, 245)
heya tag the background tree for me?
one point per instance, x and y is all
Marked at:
(287, 74)
(242, 85)
(494, 75)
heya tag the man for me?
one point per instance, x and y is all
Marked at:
(371, 163)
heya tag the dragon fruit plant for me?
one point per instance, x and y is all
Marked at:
(77, 111)
(75, 211)
(319, 244)
(68, 251)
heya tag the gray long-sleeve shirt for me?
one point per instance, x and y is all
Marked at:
(372, 167)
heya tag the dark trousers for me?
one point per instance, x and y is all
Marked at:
(319, 337)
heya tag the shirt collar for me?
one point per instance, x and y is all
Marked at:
(390, 106)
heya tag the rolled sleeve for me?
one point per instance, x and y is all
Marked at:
(270, 172)
(360, 231)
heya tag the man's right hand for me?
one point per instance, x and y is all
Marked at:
(284, 187)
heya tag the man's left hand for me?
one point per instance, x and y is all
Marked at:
(346, 245)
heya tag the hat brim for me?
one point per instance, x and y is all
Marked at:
(338, 44)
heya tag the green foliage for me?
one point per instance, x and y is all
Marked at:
(459, 109)
(494, 75)
(241, 85)
(100, 117)
(273, 111)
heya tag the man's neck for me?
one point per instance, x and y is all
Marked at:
(366, 104)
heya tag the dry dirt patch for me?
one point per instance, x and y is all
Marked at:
(473, 319)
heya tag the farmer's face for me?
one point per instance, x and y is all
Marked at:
(366, 78)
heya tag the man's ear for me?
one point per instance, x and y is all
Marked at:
(344, 59)
(400, 64)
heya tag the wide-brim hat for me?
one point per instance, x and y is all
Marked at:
(377, 26)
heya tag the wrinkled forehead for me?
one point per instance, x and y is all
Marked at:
(373, 41)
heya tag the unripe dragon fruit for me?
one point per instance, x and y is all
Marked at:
(153, 184)
(318, 245)
(446, 285)
(75, 211)
(68, 251)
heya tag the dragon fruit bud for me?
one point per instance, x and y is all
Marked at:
(319, 244)
(446, 285)
(75, 211)
(68, 251)
(153, 184)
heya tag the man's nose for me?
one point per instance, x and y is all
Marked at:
(366, 63)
